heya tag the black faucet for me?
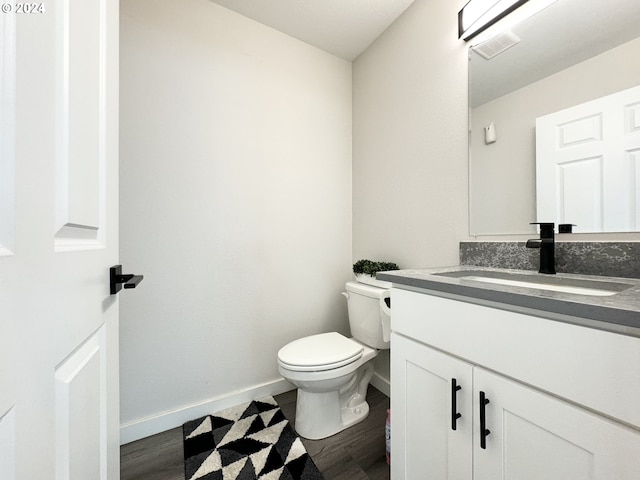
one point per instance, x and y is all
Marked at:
(546, 244)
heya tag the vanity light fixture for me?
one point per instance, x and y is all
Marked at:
(478, 16)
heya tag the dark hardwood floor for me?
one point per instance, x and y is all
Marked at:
(354, 454)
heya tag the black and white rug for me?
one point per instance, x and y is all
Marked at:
(248, 442)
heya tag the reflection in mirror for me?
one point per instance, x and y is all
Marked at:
(570, 53)
(588, 164)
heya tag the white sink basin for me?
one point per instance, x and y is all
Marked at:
(542, 286)
(576, 286)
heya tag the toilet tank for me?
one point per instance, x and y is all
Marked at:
(369, 314)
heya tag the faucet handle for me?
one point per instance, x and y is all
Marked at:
(543, 224)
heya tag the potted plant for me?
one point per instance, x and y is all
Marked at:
(365, 272)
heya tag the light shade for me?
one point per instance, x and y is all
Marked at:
(478, 15)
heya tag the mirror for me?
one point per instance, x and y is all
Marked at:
(570, 53)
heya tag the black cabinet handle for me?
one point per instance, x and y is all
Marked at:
(454, 403)
(484, 431)
(117, 279)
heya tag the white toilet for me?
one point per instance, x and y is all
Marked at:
(332, 372)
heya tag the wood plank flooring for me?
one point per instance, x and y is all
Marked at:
(354, 454)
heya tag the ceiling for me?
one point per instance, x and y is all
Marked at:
(566, 33)
(344, 28)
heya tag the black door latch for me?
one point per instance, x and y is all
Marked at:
(118, 280)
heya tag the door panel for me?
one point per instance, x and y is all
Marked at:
(632, 116)
(424, 445)
(536, 436)
(580, 192)
(81, 401)
(58, 322)
(525, 443)
(7, 445)
(580, 131)
(80, 108)
(634, 179)
(7, 132)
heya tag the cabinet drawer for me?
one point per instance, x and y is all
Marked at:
(599, 370)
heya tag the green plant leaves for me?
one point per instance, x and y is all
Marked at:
(369, 267)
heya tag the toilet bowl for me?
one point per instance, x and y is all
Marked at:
(332, 372)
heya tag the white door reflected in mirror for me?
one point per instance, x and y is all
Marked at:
(588, 164)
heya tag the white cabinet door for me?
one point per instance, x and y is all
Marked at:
(534, 436)
(59, 416)
(423, 441)
(588, 164)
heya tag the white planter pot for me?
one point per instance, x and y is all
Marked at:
(369, 280)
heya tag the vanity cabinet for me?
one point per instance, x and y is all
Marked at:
(447, 356)
(424, 445)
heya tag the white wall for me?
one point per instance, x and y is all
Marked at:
(503, 174)
(410, 120)
(235, 205)
(410, 140)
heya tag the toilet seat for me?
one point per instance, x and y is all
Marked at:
(325, 351)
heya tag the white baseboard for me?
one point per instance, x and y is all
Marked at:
(381, 383)
(145, 427)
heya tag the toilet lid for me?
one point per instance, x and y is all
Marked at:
(320, 352)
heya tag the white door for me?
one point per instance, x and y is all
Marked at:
(588, 164)
(58, 236)
(428, 391)
(534, 436)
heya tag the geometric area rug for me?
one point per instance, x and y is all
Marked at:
(251, 441)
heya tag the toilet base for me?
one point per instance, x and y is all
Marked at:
(353, 415)
(320, 414)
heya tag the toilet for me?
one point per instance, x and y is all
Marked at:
(332, 372)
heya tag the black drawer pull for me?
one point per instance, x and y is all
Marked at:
(454, 403)
(484, 431)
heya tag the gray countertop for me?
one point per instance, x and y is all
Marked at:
(619, 313)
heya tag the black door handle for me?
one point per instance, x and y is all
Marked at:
(484, 431)
(117, 279)
(454, 403)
